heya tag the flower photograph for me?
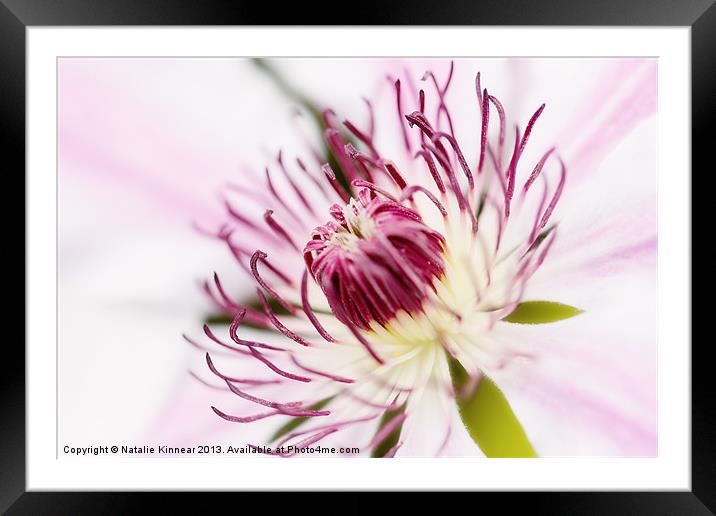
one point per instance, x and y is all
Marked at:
(358, 257)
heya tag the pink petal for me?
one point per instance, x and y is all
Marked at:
(607, 228)
(625, 96)
(590, 388)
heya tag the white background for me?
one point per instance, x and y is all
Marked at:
(670, 470)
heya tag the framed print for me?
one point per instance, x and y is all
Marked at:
(446, 253)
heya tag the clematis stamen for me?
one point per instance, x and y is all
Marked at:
(319, 185)
(528, 129)
(261, 256)
(441, 92)
(331, 176)
(359, 183)
(460, 157)
(537, 170)
(225, 298)
(278, 324)
(361, 136)
(205, 349)
(233, 327)
(225, 378)
(418, 119)
(498, 167)
(555, 197)
(404, 132)
(220, 303)
(452, 178)
(294, 186)
(246, 381)
(210, 385)
(432, 168)
(462, 201)
(363, 161)
(240, 254)
(512, 173)
(503, 124)
(278, 273)
(250, 225)
(282, 407)
(395, 174)
(364, 342)
(293, 216)
(485, 121)
(337, 145)
(210, 334)
(262, 358)
(278, 228)
(243, 419)
(309, 311)
(543, 201)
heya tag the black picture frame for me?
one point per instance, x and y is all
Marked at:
(17, 15)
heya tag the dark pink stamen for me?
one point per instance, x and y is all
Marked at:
(403, 130)
(373, 188)
(433, 169)
(538, 168)
(460, 157)
(243, 419)
(278, 229)
(309, 312)
(441, 92)
(361, 136)
(277, 324)
(555, 197)
(261, 358)
(485, 122)
(395, 174)
(260, 401)
(512, 172)
(260, 255)
(331, 176)
(530, 125)
(337, 145)
(215, 371)
(294, 186)
(293, 216)
(241, 342)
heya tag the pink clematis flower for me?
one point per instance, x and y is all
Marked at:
(393, 280)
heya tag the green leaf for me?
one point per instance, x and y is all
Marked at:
(297, 421)
(489, 418)
(255, 304)
(541, 312)
(218, 319)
